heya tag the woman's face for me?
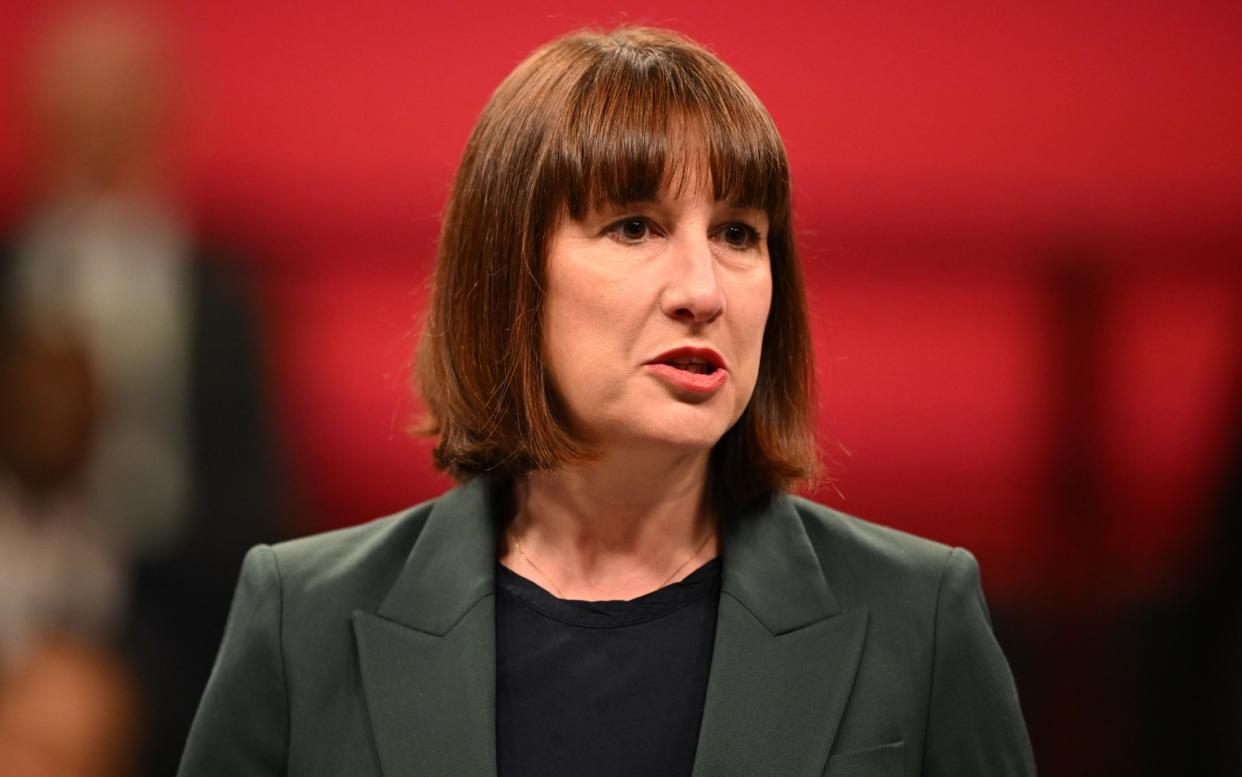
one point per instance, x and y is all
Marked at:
(654, 319)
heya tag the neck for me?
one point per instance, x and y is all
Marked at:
(617, 529)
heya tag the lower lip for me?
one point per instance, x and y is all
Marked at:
(700, 383)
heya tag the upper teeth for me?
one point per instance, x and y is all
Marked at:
(689, 360)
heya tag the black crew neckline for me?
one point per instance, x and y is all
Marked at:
(611, 613)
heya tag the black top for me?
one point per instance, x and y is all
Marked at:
(602, 688)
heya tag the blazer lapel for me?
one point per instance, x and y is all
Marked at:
(782, 668)
(785, 653)
(428, 656)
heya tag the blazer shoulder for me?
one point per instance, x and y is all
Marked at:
(868, 562)
(348, 568)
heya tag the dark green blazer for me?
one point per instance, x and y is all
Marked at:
(842, 648)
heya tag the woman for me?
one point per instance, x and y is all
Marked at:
(617, 366)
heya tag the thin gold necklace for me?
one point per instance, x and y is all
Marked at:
(559, 595)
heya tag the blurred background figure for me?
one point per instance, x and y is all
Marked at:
(68, 710)
(62, 574)
(137, 464)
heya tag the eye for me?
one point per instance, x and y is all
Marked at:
(740, 236)
(630, 231)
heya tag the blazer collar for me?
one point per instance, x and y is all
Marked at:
(784, 658)
(452, 565)
(428, 655)
(771, 568)
(785, 655)
(769, 564)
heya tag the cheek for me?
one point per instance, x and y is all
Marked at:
(560, 347)
(751, 308)
(585, 320)
(599, 303)
(586, 326)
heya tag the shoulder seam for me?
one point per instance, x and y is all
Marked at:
(280, 644)
(935, 644)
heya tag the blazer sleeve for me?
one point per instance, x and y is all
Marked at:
(974, 724)
(242, 725)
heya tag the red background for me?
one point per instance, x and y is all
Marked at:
(957, 167)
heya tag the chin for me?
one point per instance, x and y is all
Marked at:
(688, 442)
(684, 431)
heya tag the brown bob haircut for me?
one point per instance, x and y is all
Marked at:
(595, 119)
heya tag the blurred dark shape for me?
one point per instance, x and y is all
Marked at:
(68, 709)
(1192, 650)
(61, 574)
(1152, 687)
(1069, 641)
(1225, 602)
(47, 409)
(161, 412)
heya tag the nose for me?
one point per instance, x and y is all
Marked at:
(693, 292)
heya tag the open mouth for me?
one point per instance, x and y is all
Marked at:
(691, 371)
(692, 364)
